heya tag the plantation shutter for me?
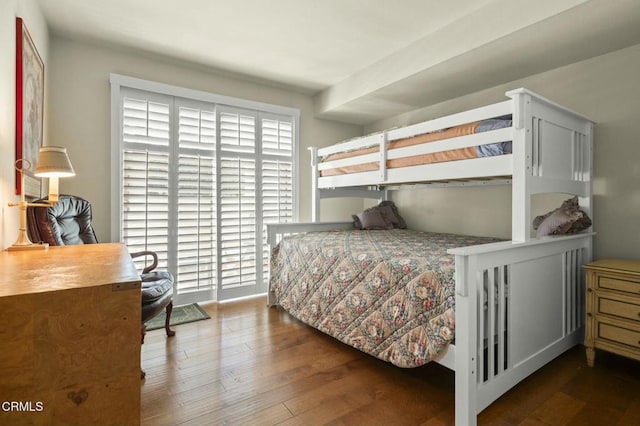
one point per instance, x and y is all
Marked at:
(198, 181)
(277, 175)
(196, 201)
(145, 175)
(238, 207)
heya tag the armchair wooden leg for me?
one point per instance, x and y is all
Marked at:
(170, 332)
(167, 320)
(143, 332)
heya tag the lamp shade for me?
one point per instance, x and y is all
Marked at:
(53, 161)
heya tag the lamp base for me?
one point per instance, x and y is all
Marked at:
(41, 246)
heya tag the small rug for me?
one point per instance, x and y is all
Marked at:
(180, 315)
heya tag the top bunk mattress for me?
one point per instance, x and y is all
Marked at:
(487, 150)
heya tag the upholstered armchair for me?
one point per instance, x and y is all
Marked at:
(68, 222)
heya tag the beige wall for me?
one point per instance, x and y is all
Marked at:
(77, 101)
(605, 89)
(29, 11)
(80, 115)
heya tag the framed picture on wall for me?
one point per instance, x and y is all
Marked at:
(29, 109)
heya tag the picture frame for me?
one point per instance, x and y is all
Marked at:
(29, 110)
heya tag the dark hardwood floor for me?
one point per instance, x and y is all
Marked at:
(249, 364)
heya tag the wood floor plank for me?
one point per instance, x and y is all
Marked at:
(558, 410)
(631, 416)
(253, 365)
(594, 415)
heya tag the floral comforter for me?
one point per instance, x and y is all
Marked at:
(389, 293)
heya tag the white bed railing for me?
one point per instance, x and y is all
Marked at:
(552, 152)
(518, 306)
(520, 303)
(532, 296)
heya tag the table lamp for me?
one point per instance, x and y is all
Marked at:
(53, 163)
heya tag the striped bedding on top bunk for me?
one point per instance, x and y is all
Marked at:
(487, 150)
(388, 293)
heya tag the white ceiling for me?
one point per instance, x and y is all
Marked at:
(362, 59)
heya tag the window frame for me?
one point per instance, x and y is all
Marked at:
(120, 82)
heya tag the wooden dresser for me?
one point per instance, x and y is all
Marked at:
(69, 336)
(613, 308)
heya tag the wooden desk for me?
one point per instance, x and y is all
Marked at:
(70, 336)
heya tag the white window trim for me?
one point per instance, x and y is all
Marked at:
(118, 81)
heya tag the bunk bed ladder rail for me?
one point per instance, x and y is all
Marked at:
(383, 157)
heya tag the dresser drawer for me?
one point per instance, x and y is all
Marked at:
(618, 284)
(619, 308)
(629, 336)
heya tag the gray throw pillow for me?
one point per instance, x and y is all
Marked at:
(373, 219)
(567, 219)
(391, 211)
(383, 216)
(356, 221)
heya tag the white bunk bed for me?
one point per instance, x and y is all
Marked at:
(552, 153)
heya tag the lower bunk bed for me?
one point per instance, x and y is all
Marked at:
(492, 311)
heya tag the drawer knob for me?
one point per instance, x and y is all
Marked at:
(589, 314)
(590, 290)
